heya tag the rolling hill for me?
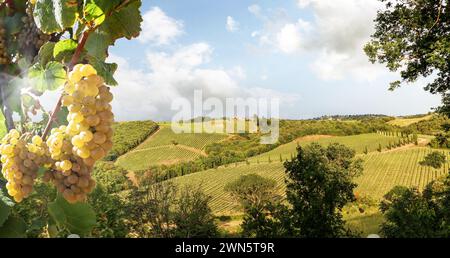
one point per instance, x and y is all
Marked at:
(165, 147)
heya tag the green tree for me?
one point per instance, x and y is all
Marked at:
(408, 214)
(257, 196)
(252, 190)
(192, 216)
(411, 36)
(434, 159)
(320, 183)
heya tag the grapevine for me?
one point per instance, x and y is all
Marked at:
(58, 45)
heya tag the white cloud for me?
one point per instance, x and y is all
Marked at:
(335, 36)
(148, 94)
(343, 28)
(232, 25)
(255, 9)
(304, 3)
(289, 38)
(158, 28)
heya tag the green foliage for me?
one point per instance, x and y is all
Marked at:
(50, 77)
(112, 178)
(55, 16)
(13, 227)
(128, 135)
(78, 218)
(435, 160)
(320, 184)
(252, 189)
(193, 217)
(412, 36)
(412, 214)
(111, 211)
(161, 210)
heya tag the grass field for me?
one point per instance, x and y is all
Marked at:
(165, 136)
(356, 142)
(408, 121)
(145, 158)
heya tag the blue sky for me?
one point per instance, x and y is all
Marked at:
(308, 53)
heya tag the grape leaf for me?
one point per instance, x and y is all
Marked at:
(125, 22)
(78, 218)
(3, 128)
(105, 70)
(55, 15)
(49, 78)
(93, 13)
(14, 227)
(5, 207)
(97, 44)
(45, 54)
(107, 5)
(64, 48)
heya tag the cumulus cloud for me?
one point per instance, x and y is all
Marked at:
(336, 36)
(158, 28)
(232, 25)
(148, 94)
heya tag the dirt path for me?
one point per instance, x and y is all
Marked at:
(195, 150)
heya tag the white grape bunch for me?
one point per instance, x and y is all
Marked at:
(87, 137)
(69, 173)
(21, 161)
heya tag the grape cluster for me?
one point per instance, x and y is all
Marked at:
(87, 137)
(90, 116)
(30, 37)
(69, 173)
(21, 162)
(70, 152)
(4, 59)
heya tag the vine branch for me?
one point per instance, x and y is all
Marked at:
(73, 62)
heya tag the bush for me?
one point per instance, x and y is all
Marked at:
(111, 177)
(435, 160)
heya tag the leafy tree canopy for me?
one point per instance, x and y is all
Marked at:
(412, 36)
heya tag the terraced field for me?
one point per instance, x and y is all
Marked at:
(165, 136)
(213, 182)
(356, 142)
(382, 171)
(167, 147)
(143, 159)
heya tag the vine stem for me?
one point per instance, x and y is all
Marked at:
(73, 62)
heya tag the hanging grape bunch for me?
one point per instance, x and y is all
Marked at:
(87, 137)
(30, 37)
(21, 161)
(4, 59)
